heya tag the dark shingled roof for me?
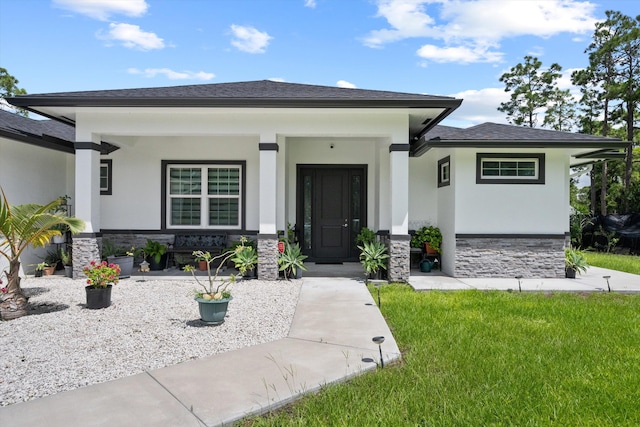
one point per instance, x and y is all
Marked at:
(502, 132)
(45, 133)
(494, 135)
(262, 89)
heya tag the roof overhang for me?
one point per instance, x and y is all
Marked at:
(44, 141)
(603, 149)
(423, 114)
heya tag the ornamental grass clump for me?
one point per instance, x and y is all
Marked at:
(100, 275)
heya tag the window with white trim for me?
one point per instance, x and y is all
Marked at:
(510, 168)
(204, 196)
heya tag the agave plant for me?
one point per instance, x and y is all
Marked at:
(21, 226)
(373, 257)
(291, 260)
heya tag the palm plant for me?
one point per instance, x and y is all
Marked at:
(21, 226)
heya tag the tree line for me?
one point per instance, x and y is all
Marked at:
(608, 106)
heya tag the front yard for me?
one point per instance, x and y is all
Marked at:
(493, 358)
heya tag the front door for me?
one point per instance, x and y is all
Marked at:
(331, 211)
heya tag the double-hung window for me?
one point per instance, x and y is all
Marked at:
(509, 168)
(205, 196)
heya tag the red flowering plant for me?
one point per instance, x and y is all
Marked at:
(101, 274)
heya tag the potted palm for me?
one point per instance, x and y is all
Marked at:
(291, 261)
(574, 262)
(373, 256)
(100, 278)
(20, 227)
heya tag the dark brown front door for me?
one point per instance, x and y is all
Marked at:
(330, 211)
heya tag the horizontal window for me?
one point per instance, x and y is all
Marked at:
(509, 168)
(204, 196)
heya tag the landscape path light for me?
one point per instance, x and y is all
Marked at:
(519, 280)
(379, 340)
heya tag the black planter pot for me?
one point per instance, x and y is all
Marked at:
(570, 273)
(98, 297)
(157, 266)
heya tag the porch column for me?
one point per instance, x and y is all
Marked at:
(86, 245)
(268, 235)
(399, 237)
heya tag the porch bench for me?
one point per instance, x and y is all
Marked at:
(186, 243)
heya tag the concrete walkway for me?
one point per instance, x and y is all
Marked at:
(591, 281)
(330, 341)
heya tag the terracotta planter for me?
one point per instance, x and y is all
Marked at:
(202, 265)
(48, 271)
(430, 250)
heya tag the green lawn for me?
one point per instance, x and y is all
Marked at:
(475, 358)
(628, 263)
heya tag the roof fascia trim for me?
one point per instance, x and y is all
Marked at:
(526, 143)
(42, 142)
(26, 101)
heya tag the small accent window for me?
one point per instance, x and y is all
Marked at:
(105, 176)
(444, 171)
(509, 168)
(204, 196)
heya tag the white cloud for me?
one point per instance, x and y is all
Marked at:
(478, 106)
(459, 54)
(277, 79)
(310, 3)
(132, 36)
(248, 39)
(345, 84)
(171, 74)
(103, 9)
(477, 26)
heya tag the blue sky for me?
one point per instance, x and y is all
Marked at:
(438, 47)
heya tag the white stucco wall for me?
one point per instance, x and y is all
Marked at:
(512, 208)
(135, 202)
(30, 174)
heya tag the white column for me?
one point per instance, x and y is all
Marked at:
(268, 183)
(87, 192)
(399, 188)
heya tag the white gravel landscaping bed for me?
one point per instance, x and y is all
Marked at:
(149, 325)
